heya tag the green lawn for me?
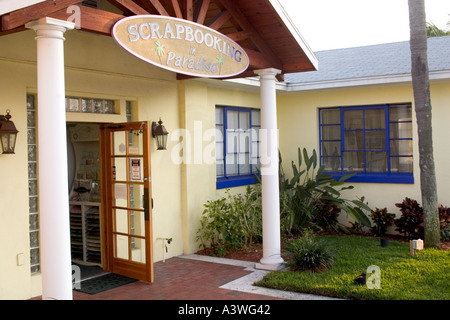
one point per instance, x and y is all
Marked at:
(403, 277)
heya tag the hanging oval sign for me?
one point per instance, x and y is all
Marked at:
(181, 46)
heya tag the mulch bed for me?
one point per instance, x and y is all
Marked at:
(255, 253)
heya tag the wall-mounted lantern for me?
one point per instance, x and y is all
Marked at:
(160, 133)
(8, 133)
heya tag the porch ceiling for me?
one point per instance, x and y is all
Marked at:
(261, 27)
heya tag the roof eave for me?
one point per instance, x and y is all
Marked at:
(278, 7)
(397, 79)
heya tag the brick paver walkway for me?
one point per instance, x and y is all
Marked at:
(182, 279)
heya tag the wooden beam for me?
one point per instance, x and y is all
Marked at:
(128, 5)
(240, 18)
(92, 20)
(176, 7)
(21, 17)
(239, 36)
(220, 20)
(159, 7)
(189, 10)
(203, 11)
(257, 59)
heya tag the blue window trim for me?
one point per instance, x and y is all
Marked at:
(239, 180)
(389, 177)
(397, 178)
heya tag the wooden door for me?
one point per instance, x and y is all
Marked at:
(126, 197)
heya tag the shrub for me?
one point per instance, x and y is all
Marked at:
(307, 253)
(444, 217)
(445, 234)
(382, 220)
(309, 191)
(231, 222)
(326, 217)
(411, 221)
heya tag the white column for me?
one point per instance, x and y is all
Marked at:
(56, 265)
(269, 170)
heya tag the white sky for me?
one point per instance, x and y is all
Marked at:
(332, 24)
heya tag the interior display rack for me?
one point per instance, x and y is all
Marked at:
(85, 207)
(85, 231)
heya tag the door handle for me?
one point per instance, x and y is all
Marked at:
(146, 207)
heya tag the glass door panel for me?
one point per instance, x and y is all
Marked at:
(128, 178)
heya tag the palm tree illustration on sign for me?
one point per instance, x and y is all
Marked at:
(220, 63)
(160, 50)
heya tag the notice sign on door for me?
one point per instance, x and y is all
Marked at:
(136, 169)
(181, 46)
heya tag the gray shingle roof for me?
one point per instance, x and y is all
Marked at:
(373, 61)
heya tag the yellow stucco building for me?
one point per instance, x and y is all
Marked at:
(104, 85)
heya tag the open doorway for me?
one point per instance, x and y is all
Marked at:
(110, 197)
(84, 181)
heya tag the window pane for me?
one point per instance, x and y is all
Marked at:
(255, 150)
(244, 164)
(220, 169)
(401, 147)
(256, 118)
(354, 119)
(232, 120)
(330, 116)
(331, 132)
(354, 140)
(376, 140)
(73, 104)
(377, 162)
(98, 106)
(255, 134)
(353, 161)
(219, 134)
(400, 113)
(121, 221)
(86, 105)
(121, 250)
(219, 151)
(244, 120)
(401, 130)
(244, 141)
(232, 165)
(402, 164)
(375, 119)
(332, 164)
(138, 253)
(331, 149)
(219, 116)
(232, 141)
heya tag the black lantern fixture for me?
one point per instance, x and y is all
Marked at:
(160, 133)
(8, 133)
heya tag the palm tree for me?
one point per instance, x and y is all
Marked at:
(422, 100)
(434, 31)
(160, 50)
(220, 63)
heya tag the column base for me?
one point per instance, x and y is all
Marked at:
(270, 265)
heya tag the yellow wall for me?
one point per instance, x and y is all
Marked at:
(197, 117)
(298, 123)
(96, 67)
